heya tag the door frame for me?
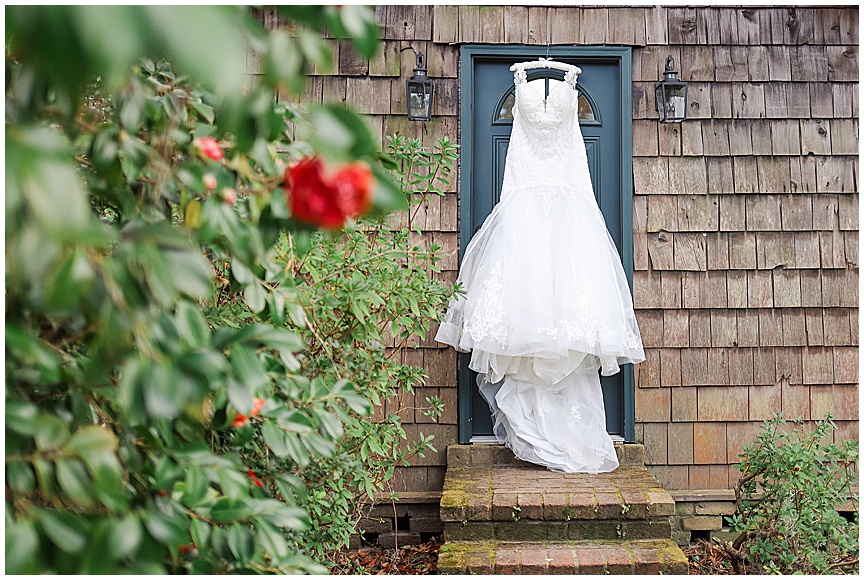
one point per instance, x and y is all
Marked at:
(470, 54)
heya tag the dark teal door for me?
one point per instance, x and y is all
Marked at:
(606, 122)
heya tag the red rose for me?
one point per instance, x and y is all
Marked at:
(209, 148)
(326, 197)
(241, 419)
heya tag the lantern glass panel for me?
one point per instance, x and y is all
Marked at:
(419, 99)
(675, 99)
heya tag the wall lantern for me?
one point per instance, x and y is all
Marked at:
(670, 95)
(419, 92)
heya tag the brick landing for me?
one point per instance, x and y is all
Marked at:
(501, 515)
(640, 557)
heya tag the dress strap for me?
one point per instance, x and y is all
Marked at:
(570, 76)
(520, 76)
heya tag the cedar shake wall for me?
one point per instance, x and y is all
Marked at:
(745, 216)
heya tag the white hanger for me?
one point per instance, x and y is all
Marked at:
(546, 63)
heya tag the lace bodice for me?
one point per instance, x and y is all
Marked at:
(546, 146)
(544, 115)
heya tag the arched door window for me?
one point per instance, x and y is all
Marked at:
(588, 112)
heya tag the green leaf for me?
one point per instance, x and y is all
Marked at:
(209, 364)
(39, 166)
(19, 476)
(330, 424)
(164, 529)
(191, 273)
(234, 485)
(72, 280)
(67, 531)
(200, 533)
(98, 559)
(318, 389)
(296, 450)
(248, 369)
(92, 439)
(125, 537)
(22, 547)
(342, 387)
(297, 314)
(75, 481)
(197, 485)
(255, 296)
(104, 149)
(31, 353)
(192, 326)
(387, 196)
(339, 133)
(358, 310)
(358, 404)
(205, 111)
(297, 422)
(44, 476)
(277, 307)
(163, 396)
(362, 29)
(219, 55)
(280, 339)
(271, 540)
(319, 445)
(241, 542)
(226, 511)
(282, 516)
(51, 432)
(241, 273)
(131, 107)
(284, 444)
(275, 438)
(20, 416)
(314, 48)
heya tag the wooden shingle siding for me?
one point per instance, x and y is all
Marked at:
(761, 271)
(745, 217)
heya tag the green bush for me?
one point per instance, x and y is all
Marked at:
(356, 294)
(792, 484)
(185, 385)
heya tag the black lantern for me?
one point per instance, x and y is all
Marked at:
(419, 92)
(670, 95)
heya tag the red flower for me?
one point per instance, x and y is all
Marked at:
(255, 479)
(241, 419)
(185, 549)
(209, 148)
(327, 197)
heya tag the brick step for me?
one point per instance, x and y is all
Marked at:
(527, 530)
(487, 455)
(491, 499)
(621, 557)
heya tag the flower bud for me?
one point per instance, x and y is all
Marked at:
(209, 181)
(208, 147)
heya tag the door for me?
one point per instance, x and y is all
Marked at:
(606, 121)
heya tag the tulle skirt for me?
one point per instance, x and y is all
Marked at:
(547, 306)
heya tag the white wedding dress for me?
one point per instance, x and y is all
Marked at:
(547, 303)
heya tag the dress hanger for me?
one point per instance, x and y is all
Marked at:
(546, 63)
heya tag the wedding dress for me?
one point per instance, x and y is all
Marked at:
(547, 303)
